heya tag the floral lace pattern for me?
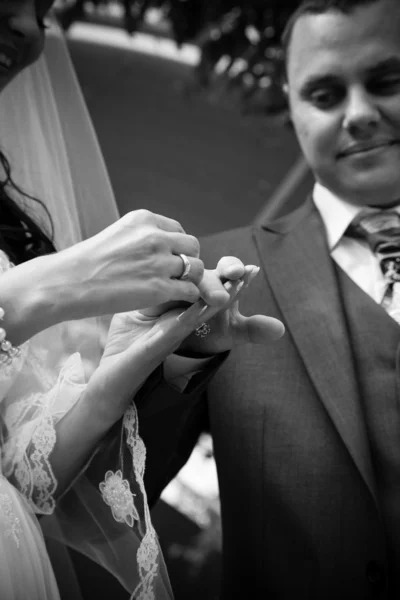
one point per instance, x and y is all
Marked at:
(117, 494)
(32, 437)
(34, 475)
(148, 552)
(12, 524)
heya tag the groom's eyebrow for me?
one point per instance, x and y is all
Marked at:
(388, 64)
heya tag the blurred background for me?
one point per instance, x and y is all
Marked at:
(186, 99)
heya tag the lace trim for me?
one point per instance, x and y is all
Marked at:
(31, 443)
(148, 553)
(34, 476)
(12, 523)
(117, 494)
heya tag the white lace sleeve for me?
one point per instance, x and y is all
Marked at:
(36, 390)
(109, 521)
(30, 410)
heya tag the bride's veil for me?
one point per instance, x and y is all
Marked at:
(48, 137)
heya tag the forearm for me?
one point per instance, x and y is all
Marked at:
(36, 295)
(78, 433)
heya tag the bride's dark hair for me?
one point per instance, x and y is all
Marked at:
(21, 238)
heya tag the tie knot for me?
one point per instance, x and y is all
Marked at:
(368, 224)
(381, 230)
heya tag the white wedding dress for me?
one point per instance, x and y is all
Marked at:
(25, 569)
(32, 399)
(109, 521)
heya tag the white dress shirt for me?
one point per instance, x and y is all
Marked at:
(354, 256)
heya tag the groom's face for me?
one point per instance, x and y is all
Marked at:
(344, 92)
(21, 35)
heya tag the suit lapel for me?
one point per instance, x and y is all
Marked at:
(301, 273)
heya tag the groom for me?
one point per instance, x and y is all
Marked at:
(307, 431)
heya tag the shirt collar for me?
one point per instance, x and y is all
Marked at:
(336, 213)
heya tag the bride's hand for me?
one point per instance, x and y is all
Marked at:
(226, 326)
(136, 345)
(134, 263)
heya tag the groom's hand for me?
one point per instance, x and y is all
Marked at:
(226, 326)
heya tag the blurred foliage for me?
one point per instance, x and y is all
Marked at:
(239, 42)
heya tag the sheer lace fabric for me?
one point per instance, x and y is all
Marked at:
(108, 521)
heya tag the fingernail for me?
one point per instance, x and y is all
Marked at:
(239, 287)
(203, 310)
(253, 273)
(250, 268)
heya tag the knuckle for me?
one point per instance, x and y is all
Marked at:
(193, 293)
(198, 270)
(230, 261)
(176, 224)
(142, 214)
(154, 241)
(194, 245)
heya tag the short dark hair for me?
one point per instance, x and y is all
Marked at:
(317, 7)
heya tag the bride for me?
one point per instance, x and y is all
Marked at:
(52, 422)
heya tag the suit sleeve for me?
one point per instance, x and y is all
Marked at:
(170, 423)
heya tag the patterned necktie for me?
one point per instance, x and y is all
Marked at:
(381, 230)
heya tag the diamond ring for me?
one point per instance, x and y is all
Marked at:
(203, 330)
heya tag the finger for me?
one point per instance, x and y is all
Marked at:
(183, 291)
(212, 289)
(196, 269)
(160, 309)
(171, 329)
(230, 267)
(168, 224)
(251, 271)
(257, 329)
(181, 243)
(262, 329)
(232, 288)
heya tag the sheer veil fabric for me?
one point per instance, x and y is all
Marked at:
(46, 133)
(49, 138)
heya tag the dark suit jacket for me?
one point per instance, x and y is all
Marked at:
(299, 504)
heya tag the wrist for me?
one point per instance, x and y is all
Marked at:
(34, 296)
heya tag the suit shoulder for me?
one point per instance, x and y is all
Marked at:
(233, 242)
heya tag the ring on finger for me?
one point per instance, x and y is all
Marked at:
(186, 267)
(203, 330)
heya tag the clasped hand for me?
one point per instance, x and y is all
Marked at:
(138, 341)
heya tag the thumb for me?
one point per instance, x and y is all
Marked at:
(257, 329)
(262, 329)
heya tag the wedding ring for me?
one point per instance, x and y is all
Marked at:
(203, 330)
(186, 267)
